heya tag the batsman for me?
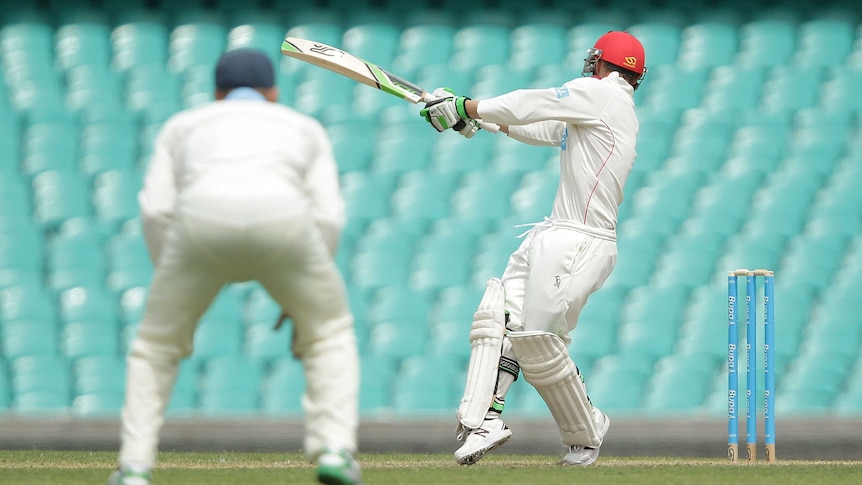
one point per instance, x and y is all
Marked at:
(524, 319)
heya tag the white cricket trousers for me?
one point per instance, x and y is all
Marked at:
(287, 255)
(550, 276)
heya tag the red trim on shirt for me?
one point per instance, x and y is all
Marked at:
(590, 198)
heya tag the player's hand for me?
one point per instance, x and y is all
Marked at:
(448, 111)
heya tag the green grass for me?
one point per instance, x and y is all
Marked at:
(82, 467)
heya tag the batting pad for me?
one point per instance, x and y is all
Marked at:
(486, 343)
(546, 365)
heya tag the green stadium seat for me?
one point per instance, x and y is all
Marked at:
(397, 340)
(734, 87)
(59, 195)
(669, 87)
(85, 338)
(99, 374)
(496, 79)
(98, 404)
(184, 395)
(400, 151)
(661, 41)
(263, 343)
(753, 249)
(416, 390)
(533, 199)
(551, 36)
(40, 373)
(28, 337)
(27, 303)
(617, 382)
(666, 198)
(509, 156)
(352, 147)
(708, 44)
(115, 195)
(803, 82)
(442, 260)
(148, 84)
(422, 44)
(650, 319)
(479, 45)
(198, 42)
(455, 77)
(229, 385)
(376, 376)
(403, 307)
(766, 42)
(263, 34)
(680, 384)
(83, 43)
(46, 402)
(128, 262)
(451, 340)
(215, 339)
(596, 333)
(455, 305)
(20, 254)
(198, 86)
(366, 195)
(375, 40)
(840, 100)
(414, 198)
(75, 260)
(483, 197)
(83, 304)
(139, 43)
(50, 146)
(825, 42)
(282, 387)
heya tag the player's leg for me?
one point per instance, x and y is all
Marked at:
(183, 286)
(566, 267)
(492, 369)
(303, 278)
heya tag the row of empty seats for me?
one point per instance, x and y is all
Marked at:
(749, 156)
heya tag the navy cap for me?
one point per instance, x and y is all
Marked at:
(244, 68)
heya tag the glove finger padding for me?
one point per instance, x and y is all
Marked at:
(467, 128)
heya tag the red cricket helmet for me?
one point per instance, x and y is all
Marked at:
(620, 49)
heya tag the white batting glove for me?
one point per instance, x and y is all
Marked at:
(448, 111)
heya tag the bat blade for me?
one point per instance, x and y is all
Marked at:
(370, 74)
(346, 64)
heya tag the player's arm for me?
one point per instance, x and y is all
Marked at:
(157, 198)
(324, 187)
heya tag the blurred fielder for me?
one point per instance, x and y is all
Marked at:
(523, 321)
(244, 189)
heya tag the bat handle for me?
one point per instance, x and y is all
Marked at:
(486, 125)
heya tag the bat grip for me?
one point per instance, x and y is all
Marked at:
(486, 125)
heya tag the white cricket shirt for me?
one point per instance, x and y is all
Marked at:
(593, 121)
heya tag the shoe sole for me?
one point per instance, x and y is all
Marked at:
(477, 455)
(605, 429)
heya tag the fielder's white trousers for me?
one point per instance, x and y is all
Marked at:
(552, 273)
(289, 258)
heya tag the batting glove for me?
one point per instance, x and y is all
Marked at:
(448, 111)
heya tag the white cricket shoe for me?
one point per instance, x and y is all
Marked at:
(126, 476)
(578, 455)
(338, 467)
(483, 439)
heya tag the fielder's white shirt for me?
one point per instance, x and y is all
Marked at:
(241, 149)
(593, 121)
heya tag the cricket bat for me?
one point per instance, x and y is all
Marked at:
(346, 64)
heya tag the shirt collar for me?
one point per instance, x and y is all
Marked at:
(244, 93)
